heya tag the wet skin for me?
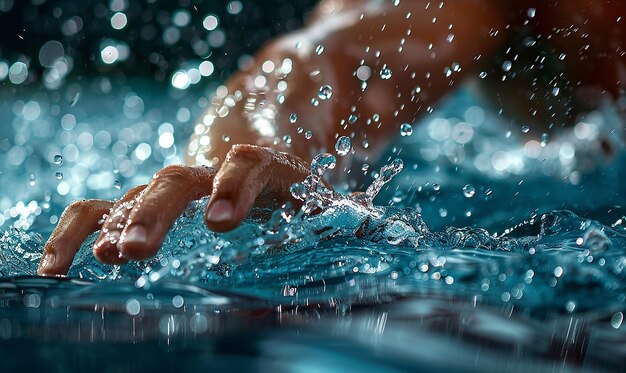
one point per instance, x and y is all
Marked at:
(257, 165)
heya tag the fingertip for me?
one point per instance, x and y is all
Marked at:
(221, 216)
(46, 266)
(220, 211)
(135, 243)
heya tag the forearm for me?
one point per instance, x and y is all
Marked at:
(385, 65)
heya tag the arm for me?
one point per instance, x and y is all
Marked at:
(410, 60)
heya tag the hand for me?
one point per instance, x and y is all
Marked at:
(133, 228)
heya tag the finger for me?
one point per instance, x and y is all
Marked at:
(249, 172)
(77, 221)
(163, 200)
(105, 247)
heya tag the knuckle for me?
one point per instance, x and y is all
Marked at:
(175, 173)
(78, 207)
(247, 152)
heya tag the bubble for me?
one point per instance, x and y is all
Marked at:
(352, 118)
(59, 175)
(181, 80)
(436, 187)
(4, 70)
(181, 18)
(531, 12)
(50, 52)
(617, 319)
(133, 307)
(483, 74)
(117, 184)
(343, 145)
(385, 73)
(178, 301)
(506, 66)
(32, 180)
(119, 21)
(109, 54)
(18, 72)
(293, 118)
(206, 68)
(556, 91)
(525, 129)
(319, 49)
(308, 135)
(325, 92)
(210, 22)
(198, 323)
(57, 159)
(234, 7)
(469, 191)
(315, 102)
(544, 139)
(363, 73)
(406, 130)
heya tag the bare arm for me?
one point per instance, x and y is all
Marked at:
(403, 51)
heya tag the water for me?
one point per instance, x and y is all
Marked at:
(469, 240)
(506, 270)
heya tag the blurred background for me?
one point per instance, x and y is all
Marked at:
(96, 96)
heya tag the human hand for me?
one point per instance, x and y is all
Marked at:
(133, 228)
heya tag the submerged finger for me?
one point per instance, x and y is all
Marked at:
(105, 247)
(76, 223)
(163, 200)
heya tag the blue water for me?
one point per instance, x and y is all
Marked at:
(504, 258)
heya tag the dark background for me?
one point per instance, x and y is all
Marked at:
(25, 25)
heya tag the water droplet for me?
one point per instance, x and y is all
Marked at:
(315, 102)
(617, 319)
(483, 74)
(436, 187)
(117, 184)
(352, 118)
(298, 191)
(544, 139)
(58, 159)
(325, 92)
(226, 138)
(322, 163)
(531, 12)
(525, 129)
(293, 118)
(385, 73)
(469, 191)
(308, 135)
(319, 49)
(343, 145)
(406, 130)
(386, 174)
(562, 56)
(556, 91)
(58, 175)
(507, 65)
(32, 180)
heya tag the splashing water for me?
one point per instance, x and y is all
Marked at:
(557, 261)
